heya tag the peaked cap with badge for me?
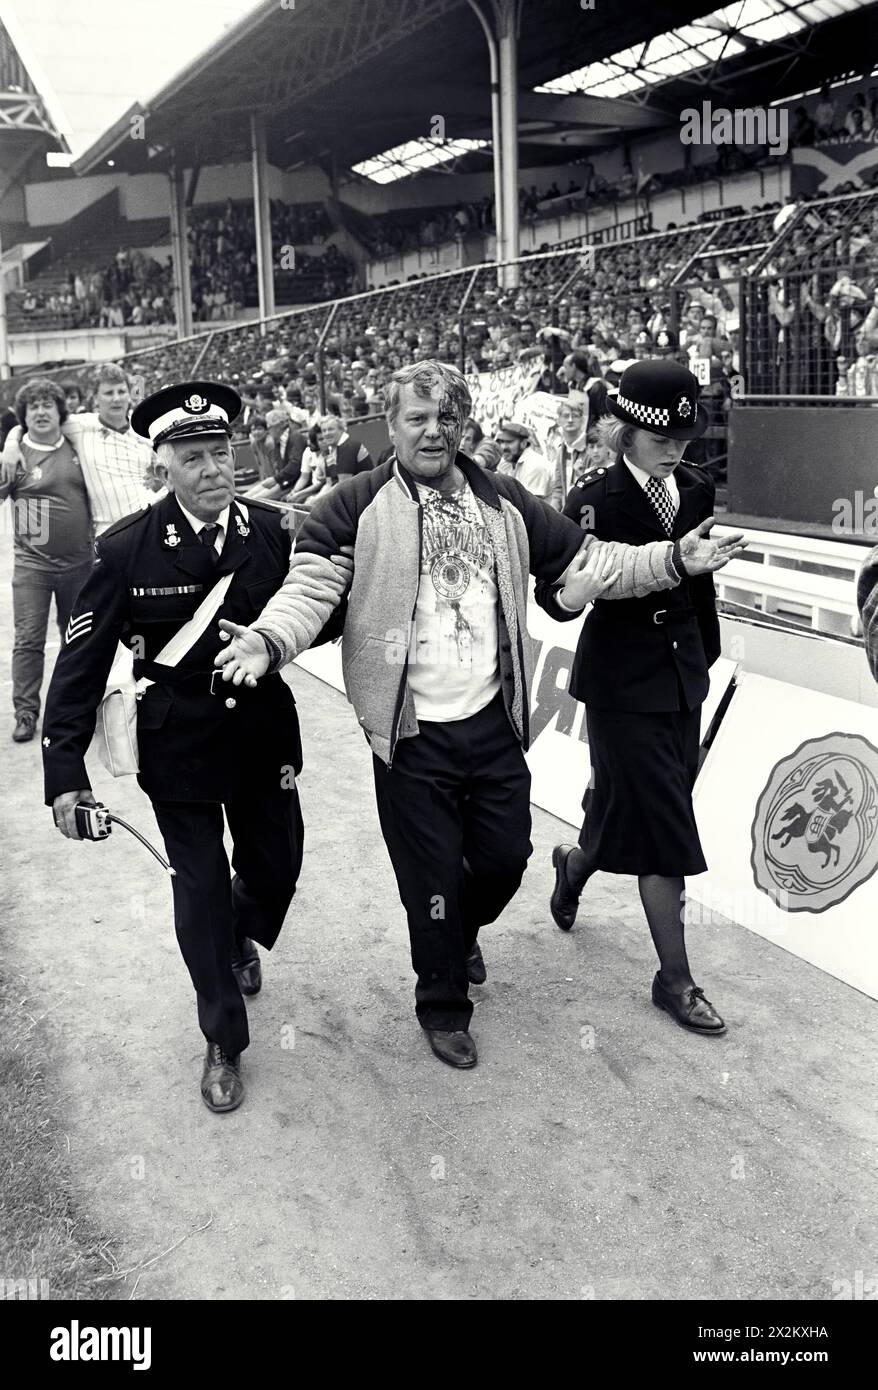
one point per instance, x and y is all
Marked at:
(188, 408)
(660, 396)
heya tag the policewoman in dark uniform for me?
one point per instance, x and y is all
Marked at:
(202, 749)
(641, 669)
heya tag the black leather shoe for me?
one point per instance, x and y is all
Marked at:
(457, 1049)
(689, 1008)
(221, 1086)
(475, 966)
(247, 968)
(563, 903)
(25, 728)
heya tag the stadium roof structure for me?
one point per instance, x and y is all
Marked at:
(30, 120)
(345, 82)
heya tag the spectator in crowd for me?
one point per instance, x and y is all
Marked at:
(284, 445)
(263, 453)
(522, 460)
(472, 436)
(73, 397)
(344, 455)
(824, 114)
(567, 445)
(313, 482)
(52, 540)
(487, 455)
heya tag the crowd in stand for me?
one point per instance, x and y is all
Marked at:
(133, 289)
(813, 313)
(833, 116)
(222, 257)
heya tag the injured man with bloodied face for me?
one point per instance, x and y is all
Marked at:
(435, 663)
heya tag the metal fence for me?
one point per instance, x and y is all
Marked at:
(798, 303)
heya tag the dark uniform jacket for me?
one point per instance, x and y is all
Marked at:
(642, 654)
(151, 574)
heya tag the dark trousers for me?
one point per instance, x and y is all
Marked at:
(32, 591)
(213, 912)
(456, 792)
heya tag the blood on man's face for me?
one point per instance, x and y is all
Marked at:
(426, 431)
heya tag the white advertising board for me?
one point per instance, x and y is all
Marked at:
(787, 809)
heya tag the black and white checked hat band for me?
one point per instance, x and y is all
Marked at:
(646, 414)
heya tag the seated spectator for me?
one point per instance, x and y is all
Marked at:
(286, 447)
(263, 454)
(312, 479)
(522, 460)
(343, 454)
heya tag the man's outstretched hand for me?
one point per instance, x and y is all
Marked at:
(245, 658)
(701, 555)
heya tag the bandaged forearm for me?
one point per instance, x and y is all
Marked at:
(643, 569)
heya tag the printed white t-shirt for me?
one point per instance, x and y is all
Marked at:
(453, 668)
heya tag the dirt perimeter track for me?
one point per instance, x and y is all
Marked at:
(596, 1151)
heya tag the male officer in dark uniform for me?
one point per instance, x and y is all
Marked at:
(641, 669)
(202, 750)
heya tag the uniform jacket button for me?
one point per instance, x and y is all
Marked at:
(230, 703)
(674, 645)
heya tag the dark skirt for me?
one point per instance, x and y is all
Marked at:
(638, 808)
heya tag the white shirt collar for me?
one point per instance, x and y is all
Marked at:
(222, 522)
(643, 478)
(43, 448)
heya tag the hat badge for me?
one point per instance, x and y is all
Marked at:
(684, 407)
(195, 404)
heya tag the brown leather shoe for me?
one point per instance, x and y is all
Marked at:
(457, 1048)
(221, 1086)
(564, 903)
(475, 966)
(689, 1008)
(247, 968)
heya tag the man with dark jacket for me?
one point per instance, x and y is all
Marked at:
(202, 750)
(437, 664)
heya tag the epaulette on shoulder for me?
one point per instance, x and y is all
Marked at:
(592, 476)
(123, 524)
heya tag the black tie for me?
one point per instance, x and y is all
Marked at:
(207, 536)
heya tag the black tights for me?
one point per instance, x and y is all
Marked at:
(664, 902)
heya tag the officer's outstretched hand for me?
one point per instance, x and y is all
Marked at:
(587, 577)
(63, 809)
(701, 555)
(245, 658)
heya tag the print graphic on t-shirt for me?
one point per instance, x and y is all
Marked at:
(457, 553)
(453, 651)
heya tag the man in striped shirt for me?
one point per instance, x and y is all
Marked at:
(115, 461)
